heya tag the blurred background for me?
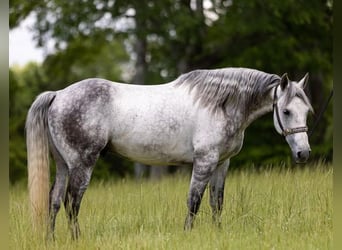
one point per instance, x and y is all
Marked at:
(153, 42)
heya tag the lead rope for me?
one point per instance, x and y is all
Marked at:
(319, 117)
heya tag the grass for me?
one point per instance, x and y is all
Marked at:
(268, 209)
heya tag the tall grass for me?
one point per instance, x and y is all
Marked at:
(268, 209)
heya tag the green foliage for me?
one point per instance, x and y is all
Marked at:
(98, 39)
(24, 85)
(19, 10)
(274, 208)
(83, 59)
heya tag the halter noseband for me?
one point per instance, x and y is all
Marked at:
(285, 131)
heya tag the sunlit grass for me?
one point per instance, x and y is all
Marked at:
(269, 209)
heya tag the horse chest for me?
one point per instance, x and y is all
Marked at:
(232, 146)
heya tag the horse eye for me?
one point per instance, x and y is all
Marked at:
(286, 112)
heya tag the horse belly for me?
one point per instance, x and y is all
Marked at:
(154, 152)
(162, 141)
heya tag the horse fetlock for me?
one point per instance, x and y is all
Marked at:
(189, 221)
(75, 230)
(216, 218)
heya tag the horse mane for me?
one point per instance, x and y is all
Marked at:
(237, 87)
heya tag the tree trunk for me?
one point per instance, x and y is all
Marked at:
(157, 172)
(141, 68)
(140, 76)
(317, 95)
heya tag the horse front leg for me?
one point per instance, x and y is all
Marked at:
(217, 182)
(204, 165)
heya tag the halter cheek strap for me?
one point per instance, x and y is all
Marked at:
(285, 131)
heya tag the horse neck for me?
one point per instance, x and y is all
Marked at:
(257, 111)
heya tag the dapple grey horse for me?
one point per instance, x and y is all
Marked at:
(197, 119)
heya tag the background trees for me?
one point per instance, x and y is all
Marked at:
(150, 42)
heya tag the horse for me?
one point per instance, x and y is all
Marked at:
(197, 119)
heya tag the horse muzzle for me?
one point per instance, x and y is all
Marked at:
(302, 156)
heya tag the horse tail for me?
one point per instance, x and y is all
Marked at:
(37, 142)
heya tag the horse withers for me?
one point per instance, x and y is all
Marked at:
(198, 119)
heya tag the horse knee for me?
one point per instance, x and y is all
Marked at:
(205, 164)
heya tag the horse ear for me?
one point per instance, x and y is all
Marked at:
(284, 81)
(302, 83)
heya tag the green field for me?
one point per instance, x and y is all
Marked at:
(267, 209)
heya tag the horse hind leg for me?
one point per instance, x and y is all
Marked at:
(217, 183)
(58, 188)
(78, 183)
(79, 178)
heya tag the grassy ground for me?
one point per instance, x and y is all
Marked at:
(269, 209)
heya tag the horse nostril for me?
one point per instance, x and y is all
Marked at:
(299, 154)
(303, 155)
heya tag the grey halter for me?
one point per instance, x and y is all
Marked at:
(285, 131)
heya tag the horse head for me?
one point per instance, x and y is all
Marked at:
(290, 109)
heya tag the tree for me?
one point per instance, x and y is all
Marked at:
(24, 85)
